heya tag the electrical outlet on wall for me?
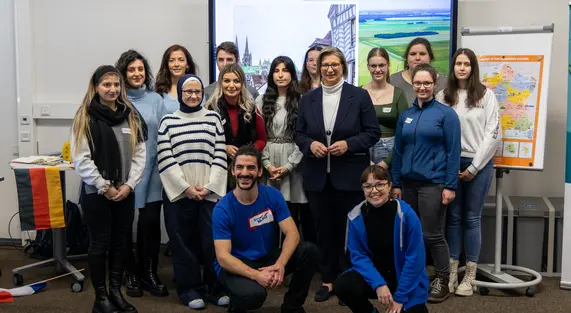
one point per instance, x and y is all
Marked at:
(25, 136)
(24, 120)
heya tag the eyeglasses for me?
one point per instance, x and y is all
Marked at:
(425, 84)
(369, 188)
(192, 92)
(332, 65)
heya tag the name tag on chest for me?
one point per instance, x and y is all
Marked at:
(126, 131)
(408, 120)
(387, 110)
(264, 217)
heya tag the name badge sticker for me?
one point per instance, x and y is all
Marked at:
(264, 217)
(126, 131)
(408, 120)
(387, 110)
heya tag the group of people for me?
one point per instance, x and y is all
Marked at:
(357, 183)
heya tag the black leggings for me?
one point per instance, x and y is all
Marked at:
(353, 290)
(148, 235)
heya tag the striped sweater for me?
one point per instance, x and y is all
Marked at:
(192, 152)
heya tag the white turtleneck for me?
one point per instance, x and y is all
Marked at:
(331, 98)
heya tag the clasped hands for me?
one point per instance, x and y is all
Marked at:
(276, 173)
(270, 276)
(196, 192)
(115, 194)
(385, 298)
(320, 150)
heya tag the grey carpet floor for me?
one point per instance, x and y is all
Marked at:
(58, 297)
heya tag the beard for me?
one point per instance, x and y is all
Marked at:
(249, 187)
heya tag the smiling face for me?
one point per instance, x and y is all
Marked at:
(281, 76)
(331, 70)
(377, 192)
(177, 63)
(423, 85)
(378, 67)
(108, 88)
(462, 67)
(223, 58)
(136, 74)
(418, 54)
(246, 172)
(192, 93)
(231, 85)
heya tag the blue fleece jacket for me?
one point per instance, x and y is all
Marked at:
(409, 253)
(427, 145)
(152, 109)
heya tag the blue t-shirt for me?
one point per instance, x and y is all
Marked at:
(251, 228)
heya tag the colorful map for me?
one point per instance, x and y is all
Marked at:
(516, 82)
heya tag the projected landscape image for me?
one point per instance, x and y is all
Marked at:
(396, 24)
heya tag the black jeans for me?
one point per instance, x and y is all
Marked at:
(109, 224)
(426, 200)
(247, 294)
(181, 218)
(353, 290)
(329, 209)
(148, 236)
(301, 214)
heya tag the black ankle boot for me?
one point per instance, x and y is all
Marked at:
(132, 284)
(115, 275)
(102, 303)
(150, 281)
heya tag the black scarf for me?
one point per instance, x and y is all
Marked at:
(246, 133)
(104, 146)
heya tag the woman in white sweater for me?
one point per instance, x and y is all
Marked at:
(478, 111)
(193, 170)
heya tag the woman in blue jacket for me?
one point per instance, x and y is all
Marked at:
(426, 163)
(148, 193)
(385, 242)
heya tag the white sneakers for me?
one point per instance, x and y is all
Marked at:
(453, 283)
(197, 304)
(465, 288)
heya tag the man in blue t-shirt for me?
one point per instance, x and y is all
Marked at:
(247, 260)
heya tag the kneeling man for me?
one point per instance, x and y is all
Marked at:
(247, 260)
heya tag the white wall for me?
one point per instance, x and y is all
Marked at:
(493, 13)
(67, 39)
(8, 120)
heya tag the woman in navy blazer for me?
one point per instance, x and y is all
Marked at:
(335, 128)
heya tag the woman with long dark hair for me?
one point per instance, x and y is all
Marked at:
(419, 51)
(389, 102)
(108, 151)
(148, 199)
(309, 75)
(281, 156)
(478, 111)
(175, 63)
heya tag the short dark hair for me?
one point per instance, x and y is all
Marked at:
(129, 57)
(377, 172)
(229, 47)
(418, 41)
(248, 150)
(427, 68)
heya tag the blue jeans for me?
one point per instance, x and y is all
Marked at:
(382, 149)
(465, 213)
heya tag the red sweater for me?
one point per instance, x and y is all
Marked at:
(261, 139)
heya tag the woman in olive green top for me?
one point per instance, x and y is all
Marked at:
(389, 101)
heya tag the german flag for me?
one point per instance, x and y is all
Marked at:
(40, 198)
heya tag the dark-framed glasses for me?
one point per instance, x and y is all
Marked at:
(377, 186)
(425, 84)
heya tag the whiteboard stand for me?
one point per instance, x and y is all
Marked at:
(501, 279)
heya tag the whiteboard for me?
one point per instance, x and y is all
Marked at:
(517, 58)
(71, 38)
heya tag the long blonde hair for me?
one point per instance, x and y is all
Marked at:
(81, 129)
(245, 100)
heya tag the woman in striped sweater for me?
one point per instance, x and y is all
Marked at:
(193, 170)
